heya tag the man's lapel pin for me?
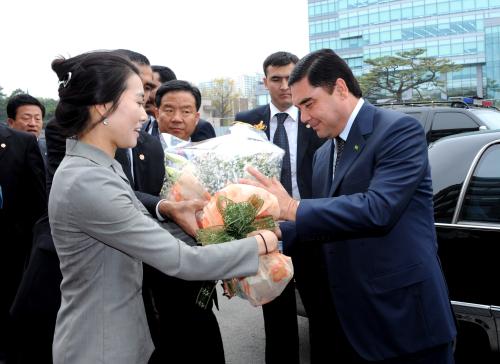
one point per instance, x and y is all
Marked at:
(3, 145)
(356, 148)
(142, 157)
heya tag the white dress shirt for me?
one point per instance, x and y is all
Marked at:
(345, 133)
(291, 126)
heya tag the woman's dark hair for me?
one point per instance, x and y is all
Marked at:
(322, 68)
(89, 79)
(178, 85)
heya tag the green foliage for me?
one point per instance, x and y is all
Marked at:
(240, 218)
(50, 105)
(392, 76)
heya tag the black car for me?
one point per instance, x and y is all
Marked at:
(441, 119)
(466, 181)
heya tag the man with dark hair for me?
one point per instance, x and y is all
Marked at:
(177, 105)
(373, 212)
(161, 74)
(283, 129)
(181, 318)
(26, 113)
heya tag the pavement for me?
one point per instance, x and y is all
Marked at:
(242, 329)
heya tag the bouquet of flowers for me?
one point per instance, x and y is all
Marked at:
(231, 214)
(208, 166)
(210, 171)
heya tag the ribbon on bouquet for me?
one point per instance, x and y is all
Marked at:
(240, 219)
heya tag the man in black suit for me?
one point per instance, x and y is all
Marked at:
(26, 113)
(24, 200)
(181, 318)
(161, 74)
(284, 128)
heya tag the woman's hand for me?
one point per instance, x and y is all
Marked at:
(267, 241)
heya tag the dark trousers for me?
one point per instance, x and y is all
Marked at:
(312, 284)
(280, 324)
(182, 331)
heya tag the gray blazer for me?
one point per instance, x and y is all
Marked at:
(102, 234)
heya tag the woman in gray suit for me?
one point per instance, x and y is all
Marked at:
(102, 233)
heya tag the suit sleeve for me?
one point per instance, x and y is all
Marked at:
(400, 165)
(37, 191)
(149, 201)
(111, 217)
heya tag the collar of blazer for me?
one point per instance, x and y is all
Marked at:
(96, 155)
(362, 126)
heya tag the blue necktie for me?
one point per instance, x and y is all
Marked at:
(281, 140)
(339, 148)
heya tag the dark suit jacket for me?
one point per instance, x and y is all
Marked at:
(204, 130)
(149, 169)
(307, 144)
(383, 269)
(22, 178)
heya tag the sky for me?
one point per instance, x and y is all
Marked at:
(198, 39)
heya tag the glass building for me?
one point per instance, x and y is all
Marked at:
(467, 32)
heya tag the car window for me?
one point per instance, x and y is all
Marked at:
(490, 118)
(448, 123)
(482, 198)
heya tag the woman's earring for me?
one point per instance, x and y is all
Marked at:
(105, 121)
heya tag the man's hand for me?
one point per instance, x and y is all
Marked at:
(183, 213)
(288, 206)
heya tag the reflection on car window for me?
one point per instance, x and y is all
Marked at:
(449, 123)
(482, 199)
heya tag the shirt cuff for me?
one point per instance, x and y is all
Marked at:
(158, 215)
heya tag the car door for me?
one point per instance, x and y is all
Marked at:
(468, 244)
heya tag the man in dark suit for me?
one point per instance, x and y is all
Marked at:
(26, 113)
(24, 200)
(373, 212)
(281, 117)
(181, 317)
(161, 74)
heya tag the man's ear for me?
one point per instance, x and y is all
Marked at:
(156, 112)
(197, 115)
(10, 122)
(265, 82)
(341, 86)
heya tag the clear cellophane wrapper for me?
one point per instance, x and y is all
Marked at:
(210, 170)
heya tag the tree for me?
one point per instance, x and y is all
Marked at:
(17, 91)
(3, 105)
(222, 93)
(392, 76)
